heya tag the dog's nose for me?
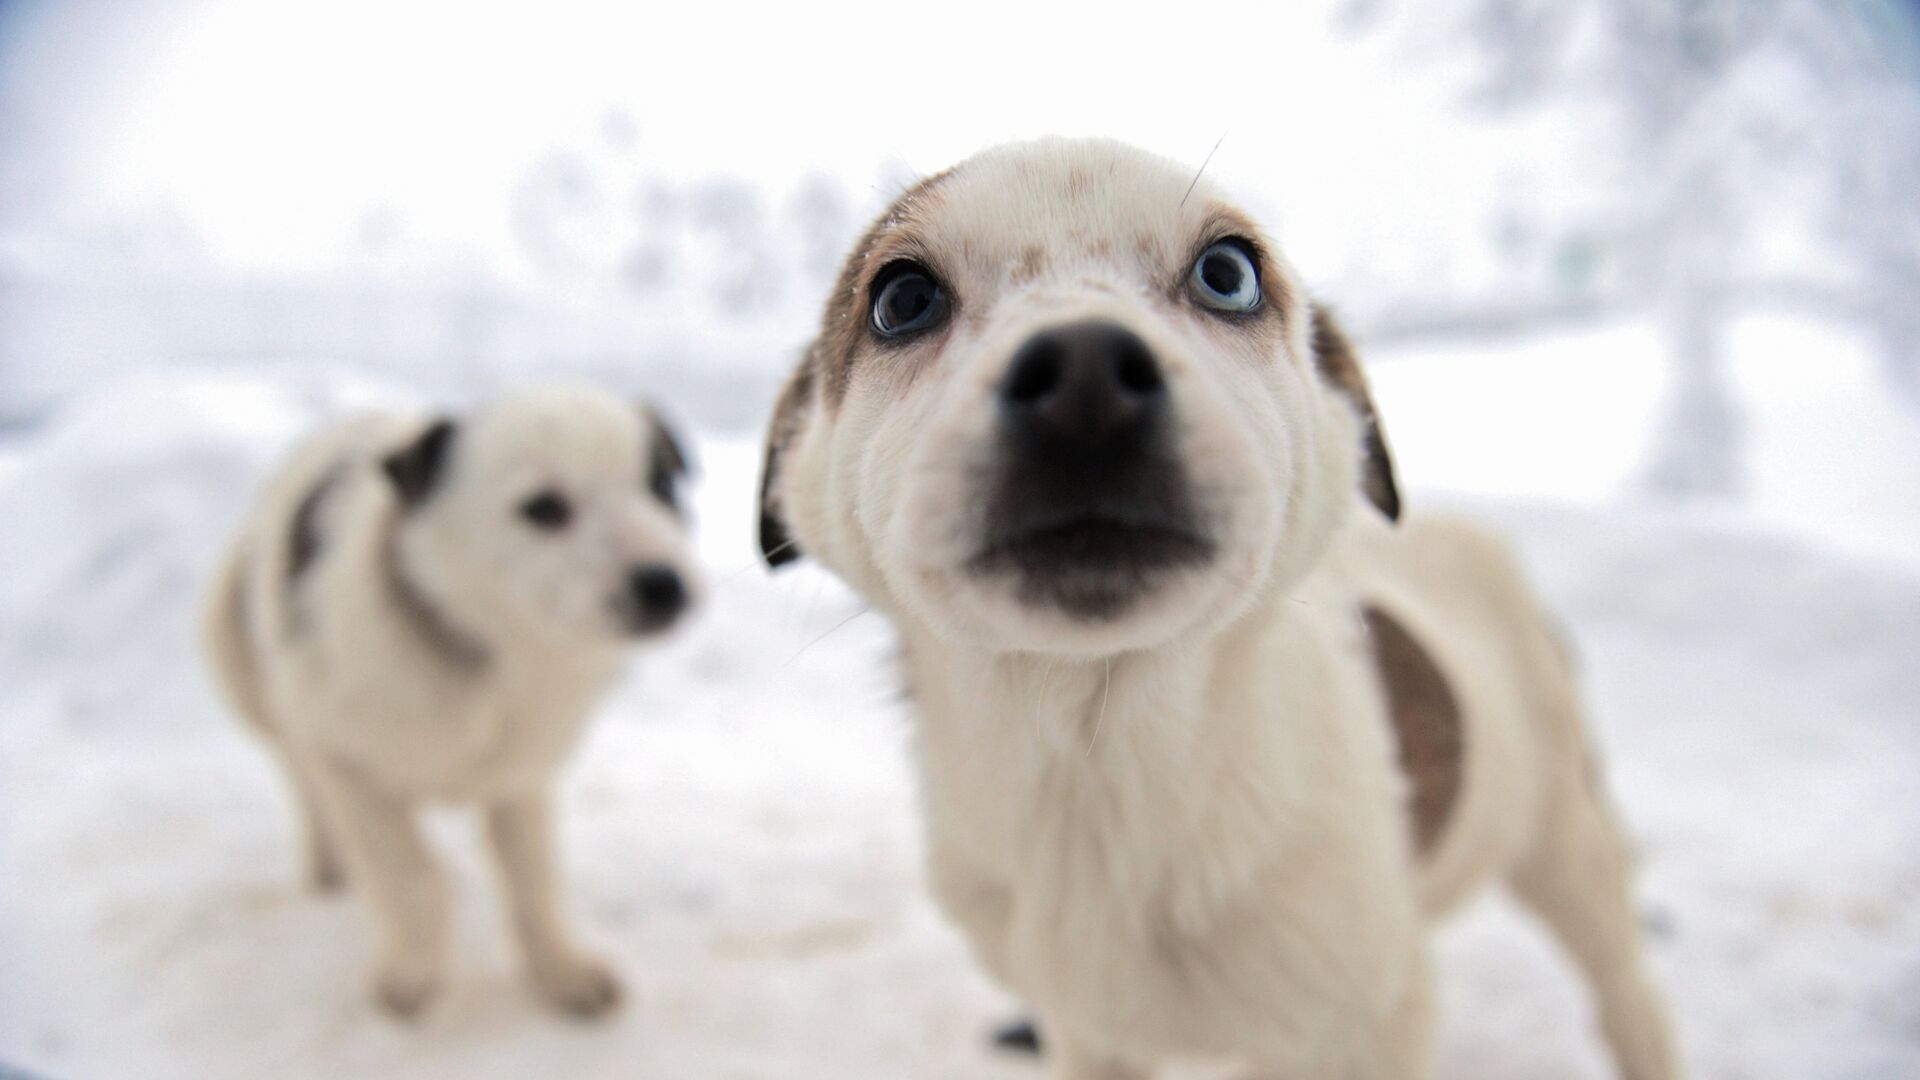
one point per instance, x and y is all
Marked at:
(657, 595)
(1089, 384)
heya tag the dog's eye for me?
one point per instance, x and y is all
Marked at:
(547, 510)
(1224, 277)
(906, 300)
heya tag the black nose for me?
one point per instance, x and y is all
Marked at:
(1093, 385)
(657, 595)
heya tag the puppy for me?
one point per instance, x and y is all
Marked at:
(427, 610)
(1205, 739)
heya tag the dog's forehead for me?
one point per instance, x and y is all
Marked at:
(1029, 208)
(1013, 215)
(561, 434)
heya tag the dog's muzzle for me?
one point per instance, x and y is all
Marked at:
(1087, 502)
(654, 598)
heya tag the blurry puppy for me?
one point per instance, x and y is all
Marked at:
(427, 610)
(1203, 741)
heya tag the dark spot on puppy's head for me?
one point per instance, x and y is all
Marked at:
(416, 468)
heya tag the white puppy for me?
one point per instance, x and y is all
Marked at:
(427, 610)
(1204, 741)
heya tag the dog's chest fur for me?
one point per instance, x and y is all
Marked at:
(1156, 849)
(457, 733)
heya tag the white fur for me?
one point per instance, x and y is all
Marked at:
(373, 717)
(1181, 834)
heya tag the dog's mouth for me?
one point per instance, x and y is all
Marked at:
(1095, 563)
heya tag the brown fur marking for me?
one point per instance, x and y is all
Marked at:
(843, 326)
(1337, 362)
(827, 365)
(1033, 261)
(305, 542)
(303, 533)
(776, 542)
(1426, 721)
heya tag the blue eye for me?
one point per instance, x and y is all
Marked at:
(907, 300)
(1224, 277)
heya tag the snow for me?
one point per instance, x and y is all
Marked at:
(740, 826)
(1831, 452)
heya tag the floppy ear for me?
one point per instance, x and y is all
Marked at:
(1334, 358)
(776, 543)
(667, 461)
(417, 467)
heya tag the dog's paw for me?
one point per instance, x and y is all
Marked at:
(405, 994)
(578, 986)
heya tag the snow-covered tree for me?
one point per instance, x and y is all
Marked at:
(1751, 153)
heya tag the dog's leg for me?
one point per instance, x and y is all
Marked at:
(1577, 877)
(403, 886)
(521, 829)
(325, 872)
(1404, 1048)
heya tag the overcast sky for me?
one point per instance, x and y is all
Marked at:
(275, 128)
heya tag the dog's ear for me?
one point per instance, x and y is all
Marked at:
(1334, 358)
(667, 459)
(417, 467)
(777, 545)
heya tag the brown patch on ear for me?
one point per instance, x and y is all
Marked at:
(789, 413)
(1426, 721)
(1335, 359)
(827, 366)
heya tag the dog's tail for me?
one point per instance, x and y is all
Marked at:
(226, 636)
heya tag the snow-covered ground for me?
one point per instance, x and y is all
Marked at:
(740, 826)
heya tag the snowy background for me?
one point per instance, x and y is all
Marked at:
(1638, 281)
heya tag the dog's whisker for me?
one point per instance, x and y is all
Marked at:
(1203, 168)
(832, 630)
(771, 552)
(1106, 690)
(811, 604)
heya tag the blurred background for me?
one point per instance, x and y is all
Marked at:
(1637, 279)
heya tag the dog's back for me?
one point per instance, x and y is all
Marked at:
(248, 592)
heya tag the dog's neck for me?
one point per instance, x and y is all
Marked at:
(1159, 725)
(453, 645)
